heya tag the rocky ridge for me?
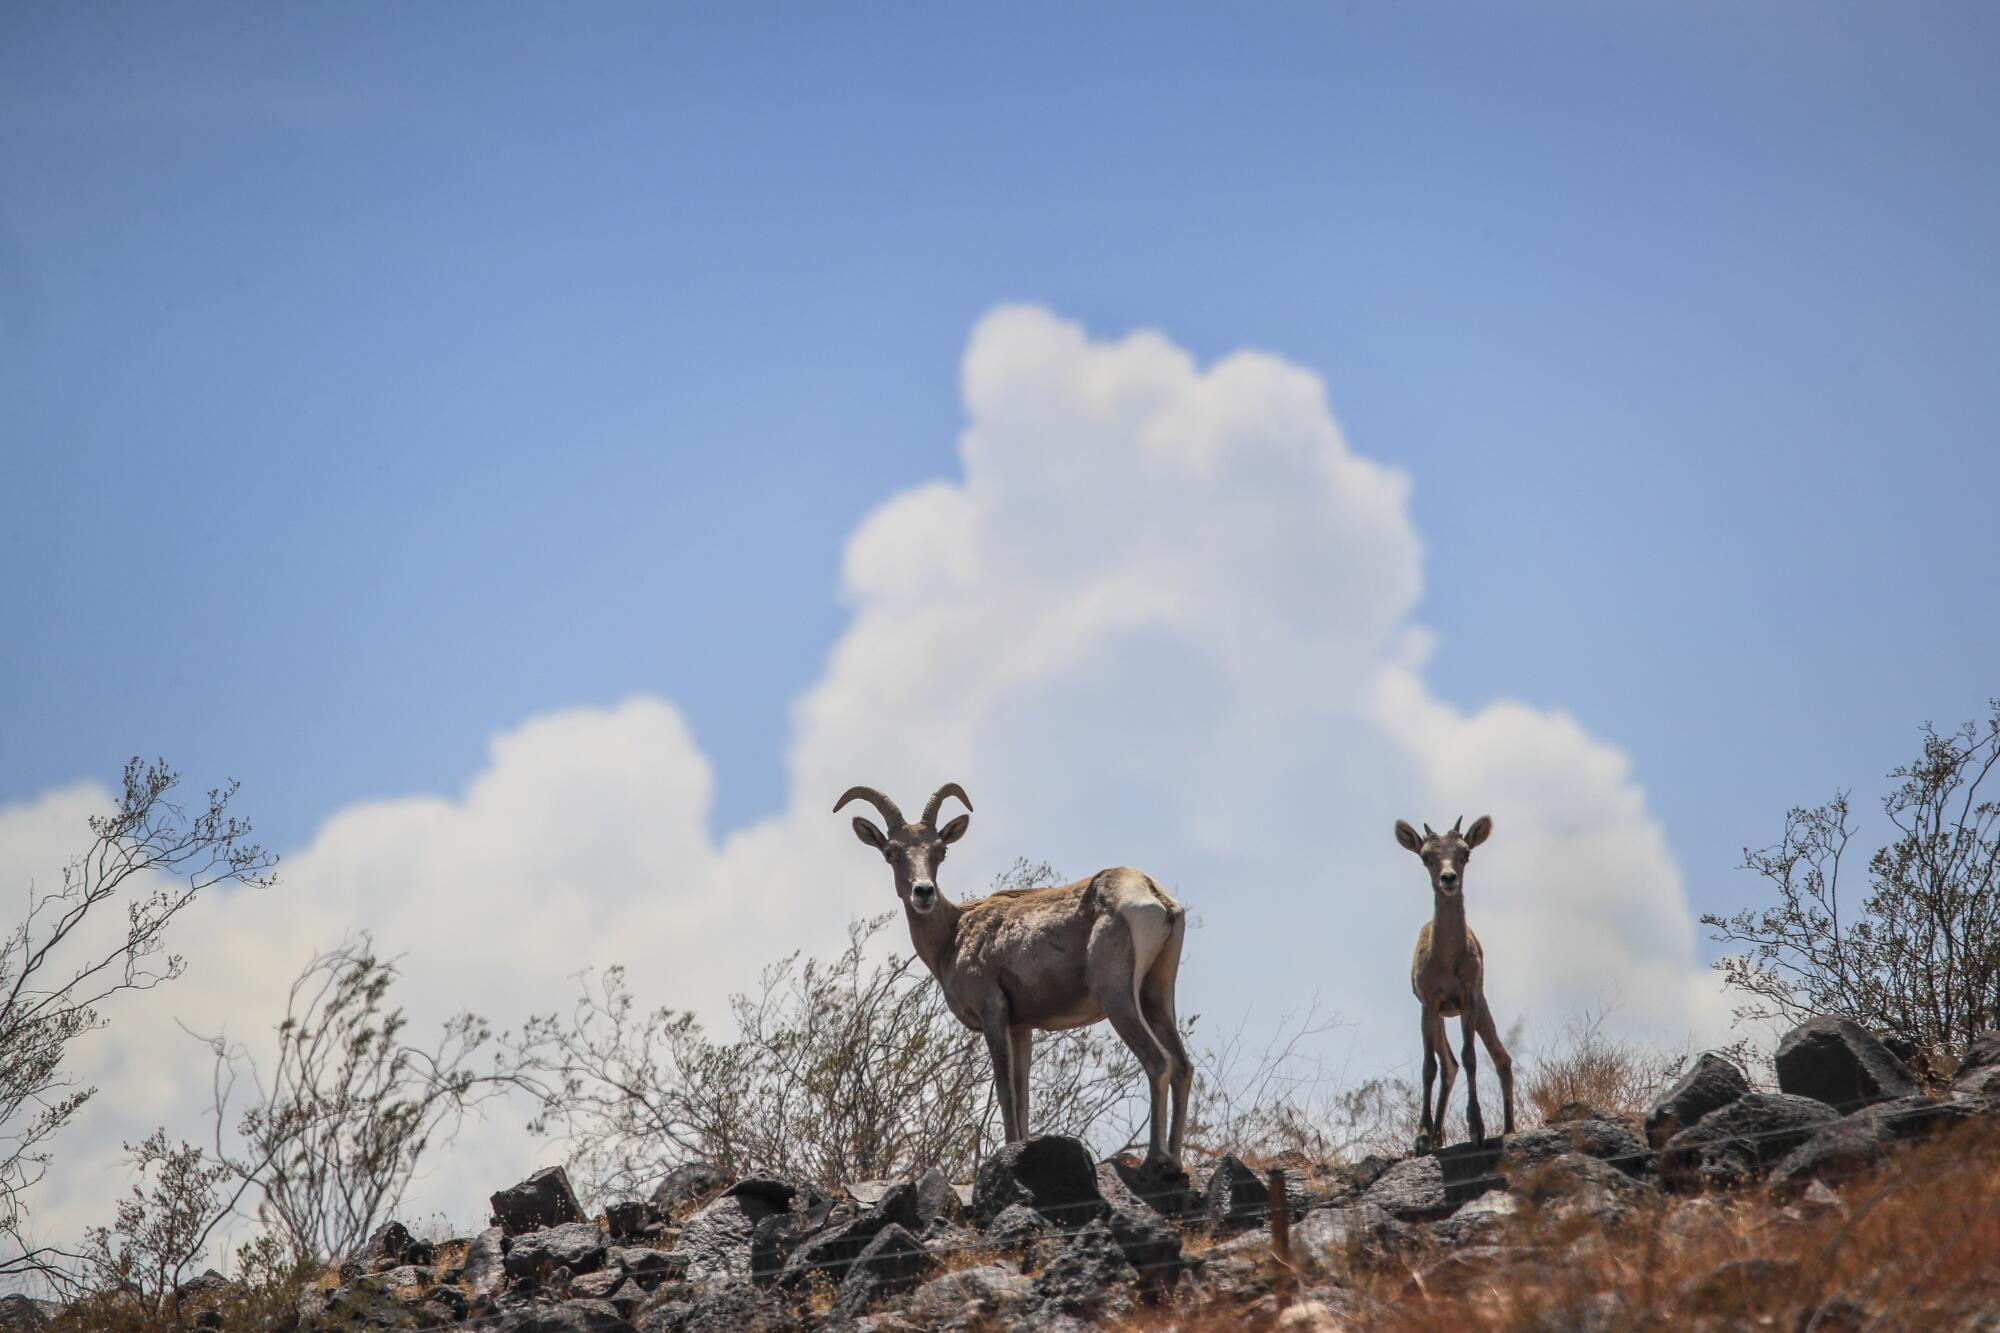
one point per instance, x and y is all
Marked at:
(1047, 1240)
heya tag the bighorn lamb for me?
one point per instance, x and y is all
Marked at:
(1449, 977)
(1046, 959)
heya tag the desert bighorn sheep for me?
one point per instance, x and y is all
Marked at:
(1449, 977)
(1026, 960)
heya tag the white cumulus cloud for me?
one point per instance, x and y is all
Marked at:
(1163, 618)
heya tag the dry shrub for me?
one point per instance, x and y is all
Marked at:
(1583, 1064)
(1278, 1102)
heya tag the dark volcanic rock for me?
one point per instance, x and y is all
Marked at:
(729, 1307)
(542, 1200)
(1017, 1226)
(366, 1304)
(1834, 1152)
(1237, 1196)
(1711, 1084)
(22, 1314)
(1841, 1063)
(1358, 1235)
(629, 1219)
(584, 1316)
(1577, 1185)
(971, 1293)
(1470, 1170)
(686, 1189)
(1594, 1134)
(936, 1200)
(1412, 1190)
(577, 1246)
(1483, 1221)
(1090, 1280)
(485, 1267)
(649, 1268)
(716, 1240)
(1979, 1071)
(391, 1246)
(1733, 1145)
(1916, 1117)
(1150, 1245)
(894, 1261)
(1164, 1188)
(1051, 1174)
(837, 1247)
(773, 1240)
(1856, 1142)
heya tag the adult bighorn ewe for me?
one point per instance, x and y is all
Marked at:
(1026, 960)
(1449, 977)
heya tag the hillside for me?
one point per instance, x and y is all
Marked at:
(1848, 1199)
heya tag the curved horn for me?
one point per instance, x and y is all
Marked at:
(937, 799)
(1428, 833)
(888, 807)
(1455, 827)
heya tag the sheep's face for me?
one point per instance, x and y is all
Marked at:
(1445, 854)
(914, 852)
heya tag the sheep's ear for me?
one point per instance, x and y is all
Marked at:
(869, 834)
(955, 830)
(1481, 830)
(1408, 837)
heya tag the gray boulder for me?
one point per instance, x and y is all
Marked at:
(1594, 1134)
(630, 1219)
(1854, 1143)
(1578, 1185)
(687, 1188)
(1161, 1187)
(1151, 1245)
(715, 1243)
(894, 1261)
(485, 1272)
(726, 1307)
(1090, 1280)
(577, 1246)
(1484, 1221)
(833, 1250)
(648, 1267)
(1360, 1235)
(1236, 1196)
(1412, 1190)
(544, 1199)
(23, 1314)
(973, 1294)
(580, 1316)
(1710, 1084)
(1839, 1062)
(1979, 1070)
(1051, 1174)
(1737, 1143)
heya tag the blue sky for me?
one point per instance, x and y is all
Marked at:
(374, 378)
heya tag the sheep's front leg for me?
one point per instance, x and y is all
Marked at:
(1000, 1045)
(1023, 1044)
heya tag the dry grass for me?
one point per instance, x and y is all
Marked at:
(1912, 1248)
(1582, 1064)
